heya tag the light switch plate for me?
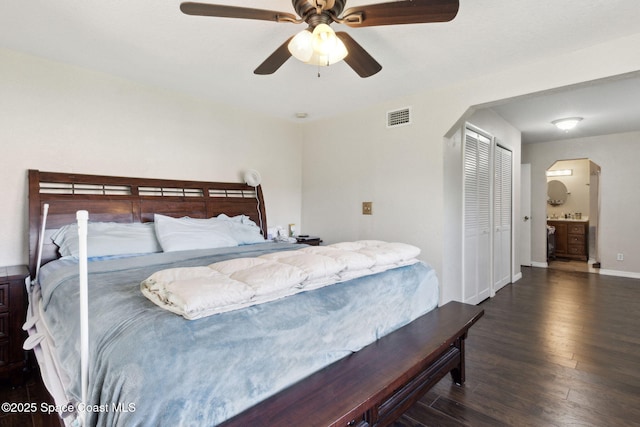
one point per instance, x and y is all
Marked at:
(367, 208)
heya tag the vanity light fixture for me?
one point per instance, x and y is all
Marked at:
(560, 172)
(567, 124)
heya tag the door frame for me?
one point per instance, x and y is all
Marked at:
(525, 215)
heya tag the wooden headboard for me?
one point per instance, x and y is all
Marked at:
(122, 199)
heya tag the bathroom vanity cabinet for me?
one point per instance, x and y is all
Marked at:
(571, 239)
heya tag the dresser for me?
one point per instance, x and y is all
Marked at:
(12, 316)
(571, 239)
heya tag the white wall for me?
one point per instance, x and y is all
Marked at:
(618, 156)
(55, 117)
(354, 158)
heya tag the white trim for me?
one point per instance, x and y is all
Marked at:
(516, 277)
(603, 271)
(618, 273)
(539, 264)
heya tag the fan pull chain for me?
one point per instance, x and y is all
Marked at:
(319, 67)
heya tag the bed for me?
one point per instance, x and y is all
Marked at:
(151, 366)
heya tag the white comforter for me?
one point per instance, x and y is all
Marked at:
(196, 292)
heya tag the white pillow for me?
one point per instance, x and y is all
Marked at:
(181, 234)
(108, 238)
(244, 219)
(241, 228)
(246, 234)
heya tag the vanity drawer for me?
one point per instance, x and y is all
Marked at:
(576, 239)
(576, 250)
(576, 229)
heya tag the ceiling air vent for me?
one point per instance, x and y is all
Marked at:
(399, 117)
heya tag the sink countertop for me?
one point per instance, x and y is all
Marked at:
(583, 219)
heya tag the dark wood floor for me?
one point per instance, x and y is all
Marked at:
(557, 348)
(32, 391)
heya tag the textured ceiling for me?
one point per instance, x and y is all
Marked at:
(152, 42)
(606, 106)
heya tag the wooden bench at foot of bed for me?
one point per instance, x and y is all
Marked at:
(374, 386)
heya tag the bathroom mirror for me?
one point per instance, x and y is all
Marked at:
(556, 192)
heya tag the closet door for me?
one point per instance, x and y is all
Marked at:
(477, 217)
(502, 216)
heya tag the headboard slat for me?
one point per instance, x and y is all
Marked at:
(124, 199)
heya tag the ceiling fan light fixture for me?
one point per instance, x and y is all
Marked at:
(322, 47)
(324, 39)
(567, 124)
(336, 55)
(301, 46)
(319, 15)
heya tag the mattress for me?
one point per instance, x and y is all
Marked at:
(149, 366)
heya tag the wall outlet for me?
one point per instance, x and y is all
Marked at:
(367, 208)
(620, 257)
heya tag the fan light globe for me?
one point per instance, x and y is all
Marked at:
(337, 55)
(322, 47)
(324, 39)
(301, 46)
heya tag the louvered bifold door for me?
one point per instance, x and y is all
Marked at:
(502, 218)
(477, 217)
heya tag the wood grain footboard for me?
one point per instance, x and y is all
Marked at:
(375, 385)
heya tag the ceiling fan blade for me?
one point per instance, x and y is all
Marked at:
(358, 58)
(402, 12)
(275, 60)
(203, 9)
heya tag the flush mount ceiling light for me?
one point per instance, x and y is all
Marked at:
(567, 124)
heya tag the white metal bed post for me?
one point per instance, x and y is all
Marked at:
(45, 211)
(83, 218)
(29, 284)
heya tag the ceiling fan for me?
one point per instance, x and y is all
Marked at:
(319, 44)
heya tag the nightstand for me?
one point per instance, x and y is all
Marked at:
(12, 315)
(309, 240)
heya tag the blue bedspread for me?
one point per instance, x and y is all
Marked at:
(154, 368)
